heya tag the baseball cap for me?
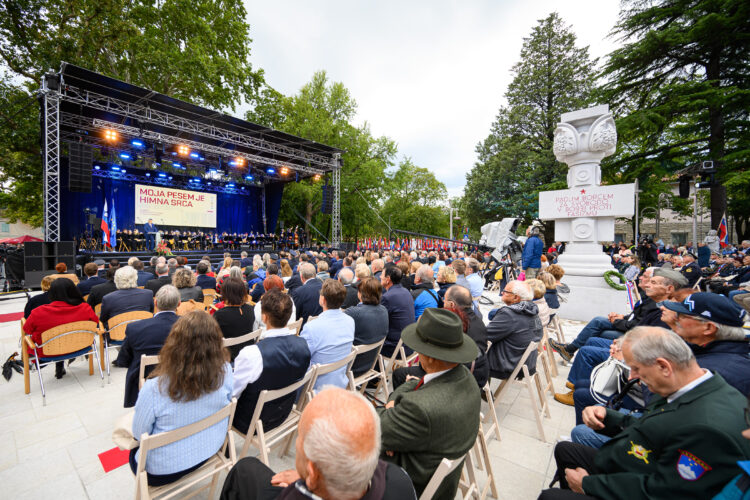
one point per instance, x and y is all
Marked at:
(709, 306)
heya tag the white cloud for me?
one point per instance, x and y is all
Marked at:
(428, 74)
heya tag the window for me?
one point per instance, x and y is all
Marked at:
(619, 237)
(4, 227)
(679, 239)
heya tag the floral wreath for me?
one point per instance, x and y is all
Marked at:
(608, 278)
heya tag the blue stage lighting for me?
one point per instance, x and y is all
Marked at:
(162, 174)
(270, 171)
(212, 170)
(97, 167)
(137, 143)
(170, 177)
(233, 163)
(243, 188)
(230, 185)
(174, 153)
(248, 177)
(115, 168)
(176, 165)
(194, 155)
(125, 156)
(148, 174)
(202, 159)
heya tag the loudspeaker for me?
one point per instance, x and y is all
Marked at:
(327, 206)
(33, 248)
(41, 257)
(80, 158)
(685, 186)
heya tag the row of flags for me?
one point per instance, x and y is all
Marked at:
(407, 244)
(109, 226)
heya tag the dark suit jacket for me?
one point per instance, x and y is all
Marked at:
(86, 285)
(352, 299)
(122, 301)
(142, 337)
(34, 302)
(438, 420)
(206, 282)
(247, 261)
(293, 283)
(99, 291)
(157, 283)
(144, 277)
(306, 299)
(400, 305)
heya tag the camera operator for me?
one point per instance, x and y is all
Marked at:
(647, 252)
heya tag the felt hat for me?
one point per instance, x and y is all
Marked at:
(439, 334)
(669, 273)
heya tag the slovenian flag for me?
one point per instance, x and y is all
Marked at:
(723, 231)
(105, 224)
(113, 226)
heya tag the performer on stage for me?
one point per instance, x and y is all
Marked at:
(150, 229)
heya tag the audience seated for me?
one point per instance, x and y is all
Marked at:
(147, 336)
(337, 452)
(423, 291)
(279, 359)
(330, 336)
(184, 280)
(66, 306)
(162, 278)
(127, 297)
(98, 292)
(400, 305)
(39, 299)
(143, 276)
(685, 446)
(557, 272)
(270, 283)
(92, 279)
(376, 267)
(236, 318)
(446, 278)
(407, 281)
(346, 277)
(323, 272)
(539, 290)
(437, 416)
(370, 320)
(257, 288)
(183, 389)
(511, 330)
(62, 272)
(306, 297)
(202, 280)
(550, 292)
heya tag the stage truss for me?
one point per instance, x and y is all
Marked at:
(255, 150)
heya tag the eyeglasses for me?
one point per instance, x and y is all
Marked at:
(506, 291)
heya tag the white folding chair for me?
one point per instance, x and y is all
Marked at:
(470, 482)
(212, 467)
(296, 326)
(372, 373)
(494, 428)
(263, 440)
(146, 360)
(528, 381)
(446, 467)
(397, 360)
(345, 362)
(243, 339)
(544, 358)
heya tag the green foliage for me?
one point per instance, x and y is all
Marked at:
(680, 88)
(323, 111)
(196, 50)
(516, 161)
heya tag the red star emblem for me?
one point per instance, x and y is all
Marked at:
(583, 191)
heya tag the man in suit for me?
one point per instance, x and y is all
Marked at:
(98, 292)
(162, 278)
(147, 337)
(437, 416)
(245, 260)
(307, 297)
(128, 297)
(204, 281)
(150, 229)
(151, 268)
(400, 305)
(346, 276)
(336, 264)
(90, 270)
(143, 276)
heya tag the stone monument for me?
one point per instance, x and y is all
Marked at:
(584, 214)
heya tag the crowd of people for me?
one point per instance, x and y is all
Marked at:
(682, 354)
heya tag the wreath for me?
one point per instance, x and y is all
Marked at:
(608, 278)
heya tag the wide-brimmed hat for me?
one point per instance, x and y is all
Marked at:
(439, 334)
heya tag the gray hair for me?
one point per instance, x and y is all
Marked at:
(425, 274)
(257, 261)
(306, 271)
(460, 295)
(161, 259)
(243, 254)
(153, 261)
(647, 343)
(521, 289)
(346, 276)
(162, 268)
(362, 271)
(236, 272)
(346, 471)
(131, 260)
(172, 262)
(167, 298)
(652, 269)
(126, 277)
(473, 264)
(731, 333)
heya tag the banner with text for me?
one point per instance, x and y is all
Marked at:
(590, 201)
(174, 207)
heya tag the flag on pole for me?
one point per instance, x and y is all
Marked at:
(723, 231)
(113, 229)
(105, 224)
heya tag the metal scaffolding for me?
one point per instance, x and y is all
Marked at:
(336, 212)
(51, 156)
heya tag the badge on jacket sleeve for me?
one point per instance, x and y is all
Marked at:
(690, 467)
(639, 452)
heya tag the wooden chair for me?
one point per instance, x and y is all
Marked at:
(372, 373)
(98, 309)
(397, 360)
(62, 342)
(528, 380)
(296, 326)
(263, 440)
(209, 295)
(469, 482)
(243, 339)
(210, 469)
(345, 362)
(446, 467)
(494, 428)
(556, 326)
(544, 355)
(86, 298)
(114, 335)
(146, 360)
(189, 306)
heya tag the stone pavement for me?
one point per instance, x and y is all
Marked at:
(51, 451)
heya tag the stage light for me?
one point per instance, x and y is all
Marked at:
(115, 168)
(170, 177)
(125, 156)
(284, 170)
(248, 177)
(316, 177)
(243, 188)
(195, 155)
(97, 167)
(239, 161)
(137, 143)
(183, 150)
(212, 171)
(230, 185)
(148, 174)
(162, 174)
(270, 171)
(110, 135)
(176, 165)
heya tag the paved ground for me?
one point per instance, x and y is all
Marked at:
(51, 451)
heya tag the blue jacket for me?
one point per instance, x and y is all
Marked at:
(306, 299)
(86, 285)
(126, 300)
(206, 282)
(728, 358)
(424, 296)
(532, 252)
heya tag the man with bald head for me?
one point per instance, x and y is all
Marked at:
(337, 457)
(346, 277)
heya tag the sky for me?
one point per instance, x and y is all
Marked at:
(429, 75)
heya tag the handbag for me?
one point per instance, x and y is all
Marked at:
(123, 433)
(607, 379)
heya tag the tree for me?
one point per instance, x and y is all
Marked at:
(323, 111)
(515, 161)
(679, 86)
(413, 200)
(193, 50)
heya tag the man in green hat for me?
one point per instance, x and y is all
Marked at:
(437, 416)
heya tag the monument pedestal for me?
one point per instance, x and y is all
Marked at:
(591, 296)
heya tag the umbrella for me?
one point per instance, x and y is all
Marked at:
(20, 239)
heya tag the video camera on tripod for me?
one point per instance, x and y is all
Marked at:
(507, 250)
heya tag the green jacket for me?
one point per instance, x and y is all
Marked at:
(438, 420)
(688, 448)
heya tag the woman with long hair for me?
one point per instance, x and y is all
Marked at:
(66, 306)
(225, 267)
(286, 270)
(236, 317)
(192, 381)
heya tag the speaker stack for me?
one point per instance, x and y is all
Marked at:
(41, 257)
(80, 159)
